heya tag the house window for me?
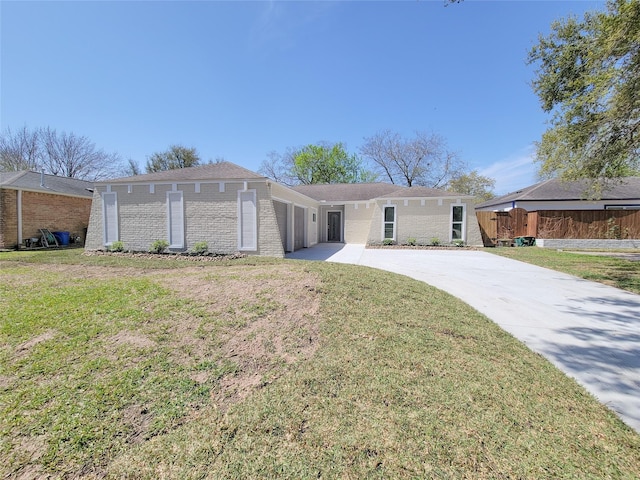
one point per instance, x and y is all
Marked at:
(175, 219)
(109, 217)
(457, 222)
(389, 223)
(247, 220)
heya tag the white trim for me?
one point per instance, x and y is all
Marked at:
(281, 200)
(394, 223)
(110, 227)
(247, 220)
(46, 192)
(175, 218)
(463, 233)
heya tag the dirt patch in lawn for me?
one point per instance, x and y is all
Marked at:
(263, 325)
(255, 325)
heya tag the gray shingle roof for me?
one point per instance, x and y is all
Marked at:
(354, 192)
(421, 192)
(555, 189)
(212, 171)
(346, 192)
(27, 180)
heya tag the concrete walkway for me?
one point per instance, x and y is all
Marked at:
(588, 330)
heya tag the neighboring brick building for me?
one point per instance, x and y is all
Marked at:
(233, 209)
(30, 201)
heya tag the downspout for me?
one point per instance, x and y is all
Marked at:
(19, 212)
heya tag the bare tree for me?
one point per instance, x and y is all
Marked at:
(20, 150)
(69, 155)
(279, 167)
(423, 160)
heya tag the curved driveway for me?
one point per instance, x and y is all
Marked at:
(588, 330)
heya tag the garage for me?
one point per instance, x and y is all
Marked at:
(298, 230)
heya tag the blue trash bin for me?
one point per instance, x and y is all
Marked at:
(62, 237)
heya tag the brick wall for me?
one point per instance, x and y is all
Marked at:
(8, 218)
(424, 220)
(357, 222)
(210, 216)
(41, 210)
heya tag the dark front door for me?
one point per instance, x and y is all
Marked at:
(335, 226)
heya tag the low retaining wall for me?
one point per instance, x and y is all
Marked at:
(587, 243)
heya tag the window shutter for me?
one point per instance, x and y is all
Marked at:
(110, 217)
(248, 220)
(175, 216)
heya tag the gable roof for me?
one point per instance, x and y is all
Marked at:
(32, 181)
(627, 188)
(210, 171)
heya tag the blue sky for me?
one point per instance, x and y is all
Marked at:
(241, 79)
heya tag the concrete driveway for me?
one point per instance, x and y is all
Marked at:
(588, 330)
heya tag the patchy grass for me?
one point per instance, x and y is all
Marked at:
(277, 369)
(615, 271)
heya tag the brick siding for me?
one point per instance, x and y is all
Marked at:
(210, 216)
(41, 210)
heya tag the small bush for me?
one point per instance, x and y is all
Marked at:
(412, 241)
(388, 241)
(201, 248)
(435, 241)
(159, 246)
(458, 243)
(116, 246)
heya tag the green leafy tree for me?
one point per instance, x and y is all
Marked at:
(328, 164)
(323, 163)
(473, 183)
(588, 79)
(176, 157)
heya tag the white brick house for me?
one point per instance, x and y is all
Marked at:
(234, 209)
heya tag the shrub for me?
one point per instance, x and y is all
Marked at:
(159, 246)
(388, 241)
(116, 246)
(458, 243)
(201, 248)
(435, 241)
(412, 241)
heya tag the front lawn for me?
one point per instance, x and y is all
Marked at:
(617, 272)
(261, 368)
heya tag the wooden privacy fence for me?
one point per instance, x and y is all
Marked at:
(552, 224)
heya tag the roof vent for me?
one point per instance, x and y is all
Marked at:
(42, 178)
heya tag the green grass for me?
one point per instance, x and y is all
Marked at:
(617, 272)
(406, 381)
